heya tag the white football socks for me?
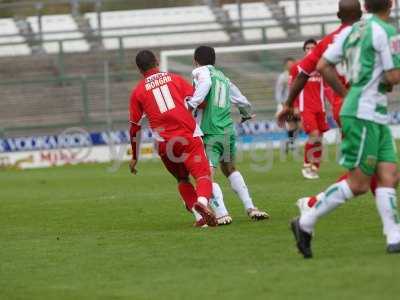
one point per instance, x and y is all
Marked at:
(217, 202)
(333, 197)
(386, 202)
(240, 188)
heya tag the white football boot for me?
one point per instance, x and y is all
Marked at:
(310, 172)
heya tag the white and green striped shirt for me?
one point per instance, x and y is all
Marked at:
(368, 49)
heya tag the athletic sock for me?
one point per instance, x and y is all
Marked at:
(217, 202)
(313, 153)
(307, 152)
(317, 154)
(204, 187)
(334, 196)
(188, 194)
(240, 188)
(386, 202)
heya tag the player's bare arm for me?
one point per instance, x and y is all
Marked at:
(295, 89)
(328, 72)
(135, 144)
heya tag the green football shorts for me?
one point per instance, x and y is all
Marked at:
(220, 148)
(365, 144)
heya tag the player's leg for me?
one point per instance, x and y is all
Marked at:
(189, 196)
(360, 143)
(218, 204)
(187, 192)
(237, 181)
(386, 197)
(291, 128)
(309, 202)
(323, 127)
(197, 165)
(180, 173)
(173, 163)
(214, 151)
(333, 197)
(312, 148)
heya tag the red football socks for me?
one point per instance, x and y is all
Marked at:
(313, 153)
(204, 187)
(188, 194)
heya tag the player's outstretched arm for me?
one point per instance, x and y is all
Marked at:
(243, 104)
(328, 72)
(295, 88)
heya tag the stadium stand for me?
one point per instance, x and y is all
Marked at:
(163, 27)
(159, 23)
(59, 28)
(52, 104)
(256, 14)
(9, 33)
(313, 12)
(27, 68)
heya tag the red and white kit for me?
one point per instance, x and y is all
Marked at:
(309, 65)
(162, 98)
(311, 102)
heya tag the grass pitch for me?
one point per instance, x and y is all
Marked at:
(85, 233)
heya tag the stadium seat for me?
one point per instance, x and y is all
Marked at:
(9, 33)
(311, 11)
(59, 27)
(252, 14)
(159, 21)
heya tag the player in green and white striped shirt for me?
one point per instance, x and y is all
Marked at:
(218, 94)
(370, 50)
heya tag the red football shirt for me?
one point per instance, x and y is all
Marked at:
(162, 98)
(312, 97)
(309, 63)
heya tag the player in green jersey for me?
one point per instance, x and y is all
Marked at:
(218, 93)
(370, 49)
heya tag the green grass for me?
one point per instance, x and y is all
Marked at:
(85, 233)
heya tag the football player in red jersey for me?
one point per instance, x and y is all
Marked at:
(349, 13)
(162, 98)
(311, 102)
